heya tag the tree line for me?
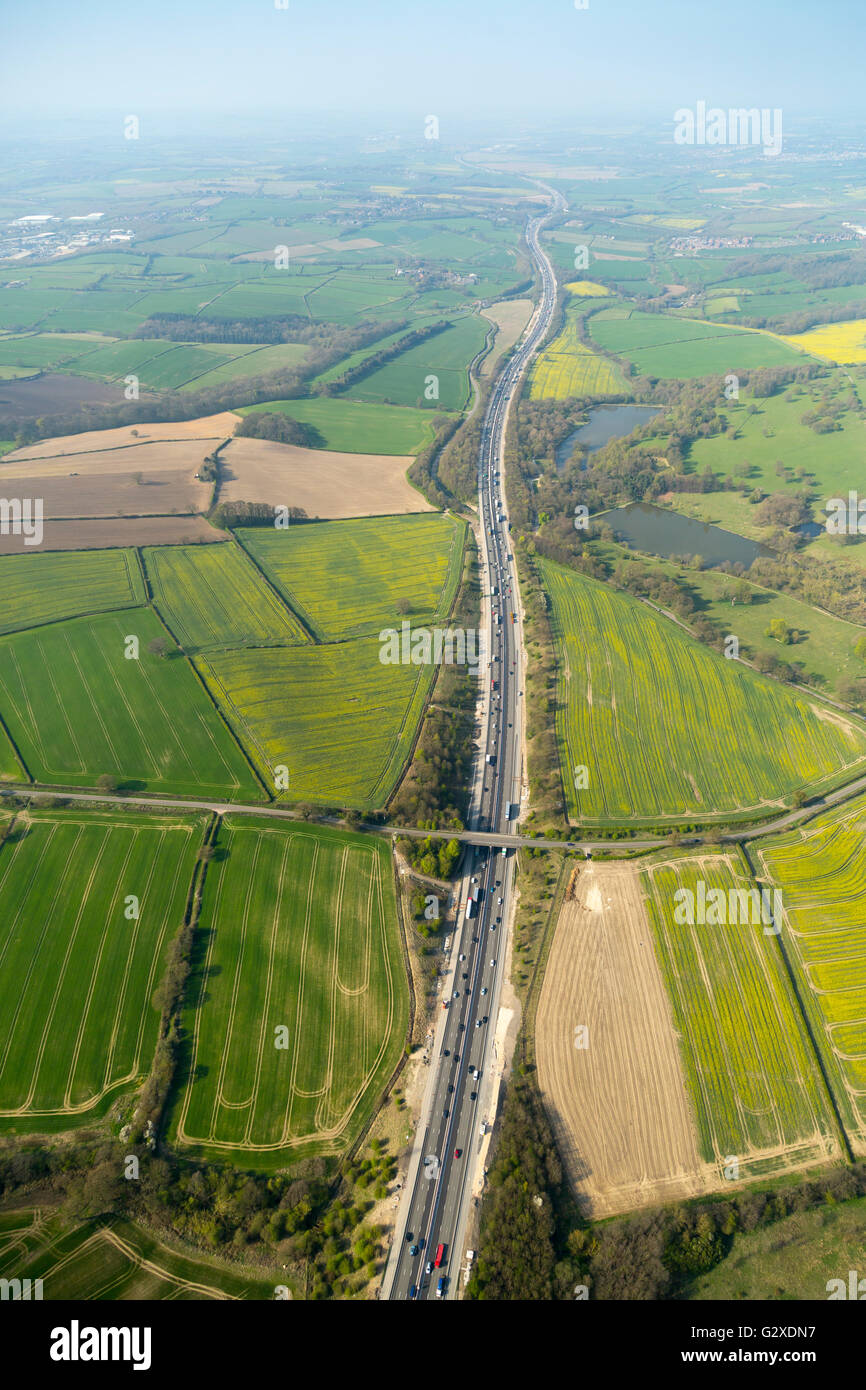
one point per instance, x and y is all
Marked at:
(375, 360)
(534, 1244)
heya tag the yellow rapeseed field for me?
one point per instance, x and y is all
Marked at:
(587, 288)
(569, 368)
(839, 342)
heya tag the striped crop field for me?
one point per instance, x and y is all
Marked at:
(406, 379)
(338, 720)
(108, 1259)
(77, 972)
(10, 768)
(567, 367)
(820, 871)
(662, 345)
(78, 708)
(302, 1007)
(664, 726)
(753, 1078)
(213, 596)
(347, 578)
(47, 587)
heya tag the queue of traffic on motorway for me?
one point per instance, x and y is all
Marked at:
(465, 1034)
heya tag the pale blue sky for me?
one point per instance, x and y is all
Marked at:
(446, 56)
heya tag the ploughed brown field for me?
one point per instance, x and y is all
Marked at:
(52, 394)
(105, 532)
(619, 1105)
(139, 480)
(217, 427)
(323, 483)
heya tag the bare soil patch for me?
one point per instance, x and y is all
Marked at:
(358, 243)
(217, 427)
(145, 479)
(511, 317)
(105, 532)
(112, 494)
(619, 1107)
(325, 484)
(52, 394)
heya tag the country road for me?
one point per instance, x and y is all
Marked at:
(488, 838)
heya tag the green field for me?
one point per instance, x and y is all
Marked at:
(46, 350)
(333, 714)
(298, 930)
(350, 427)
(43, 588)
(753, 1079)
(347, 578)
(212, 596)
(667, 727)
(160, 365)
(824, 645)
(446, 355)
(769, 430)
(76, 975)
(792, 1259)
(663, 346)
(10, 768)
(820, 871)
(111, 1260)
(256, 362)
(78, 708)
(340, 722)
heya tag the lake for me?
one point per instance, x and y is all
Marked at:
(669, 534)
(606, 422)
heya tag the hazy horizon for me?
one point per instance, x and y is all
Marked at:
(544, 59)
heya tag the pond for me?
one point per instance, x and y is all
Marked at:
(668, 534)
(606, 422)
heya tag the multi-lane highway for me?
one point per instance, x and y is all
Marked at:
(436, 1200)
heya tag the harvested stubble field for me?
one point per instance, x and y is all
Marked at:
(321, 482)
(820, 871)
(348, 578)
(666, 726)
(618, 1106)
(77, 707)
(753, 1076)
(76, 974)
(213, 596)
(298, 931)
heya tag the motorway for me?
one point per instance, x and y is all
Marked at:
(436, 1198)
